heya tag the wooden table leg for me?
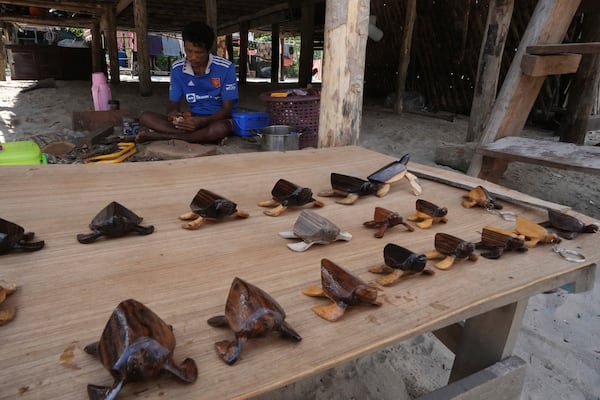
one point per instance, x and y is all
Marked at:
(487, 339)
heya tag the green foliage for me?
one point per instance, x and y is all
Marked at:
(76, 31)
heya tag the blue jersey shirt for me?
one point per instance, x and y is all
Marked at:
(204, 94)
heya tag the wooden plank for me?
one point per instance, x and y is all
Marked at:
(537, 66)
(346, 27)
(548, 24)
(488, 67)
(545, 152)
(502, 381)
(575, 48)
(184, 276)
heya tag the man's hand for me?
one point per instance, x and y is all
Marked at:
(189, 123)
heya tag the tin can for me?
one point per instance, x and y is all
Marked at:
(131, 126)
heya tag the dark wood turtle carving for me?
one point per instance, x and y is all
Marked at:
(208, 206)
(394, 172)
(495, 241)
(399, 262)
(479, 196)
(114, 221)
(383, 219)
(14, 237)
(349, 187)
(250, 312)
(136, 345)
(567, 226)
(342, 288)
(451, 248)
(428, 213)
(313, 228)
(287, 194)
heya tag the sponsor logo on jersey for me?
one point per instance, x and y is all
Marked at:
(191, 83)
(231, 86)
(190, 97)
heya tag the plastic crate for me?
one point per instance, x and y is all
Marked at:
(244, 123)
(301, 112)
(24, 152)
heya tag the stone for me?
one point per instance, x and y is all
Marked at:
(455, 155)
(176, 149)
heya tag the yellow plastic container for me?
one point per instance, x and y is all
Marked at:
(24, 152)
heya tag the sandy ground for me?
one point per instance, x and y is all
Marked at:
(560, 337)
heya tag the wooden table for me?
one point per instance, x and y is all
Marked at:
(68, 290)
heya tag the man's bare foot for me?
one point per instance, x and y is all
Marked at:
(143, 136)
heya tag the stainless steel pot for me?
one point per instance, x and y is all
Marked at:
(279, 137)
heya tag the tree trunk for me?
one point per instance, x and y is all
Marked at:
(409, 24)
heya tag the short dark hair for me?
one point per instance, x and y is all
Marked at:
(199, 33)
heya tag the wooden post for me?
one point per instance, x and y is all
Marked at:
(275, 55)
(98, 59)
(346, 28)
(488, 69)
(405, 47)
(548, 24)
(243, 70)
(110, 37)
(581, 94)
(2, 55)
(229, 44)
(140, 17)
(211, 14)
(306, 44)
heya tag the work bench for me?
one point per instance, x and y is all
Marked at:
(67, 291)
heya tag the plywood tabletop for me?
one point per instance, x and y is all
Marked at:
(67, 291)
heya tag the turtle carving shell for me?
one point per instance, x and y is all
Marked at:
(210, 205)
(290, 194)
(393, 170)
(313, 228)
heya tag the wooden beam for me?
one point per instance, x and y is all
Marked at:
(49, 21)
(306, 44)
(550, 65)
(346, 29)
(98, 59)
(405, 50)
(488, 69)
(140, 17)
(243, 67)
(110, 38)
(577, 48)
(91, 7)
(122, 5)
(548, 24)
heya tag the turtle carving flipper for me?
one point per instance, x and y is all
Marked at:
(331, 312)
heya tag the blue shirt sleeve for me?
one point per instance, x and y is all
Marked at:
(175, 90)
(230, 88)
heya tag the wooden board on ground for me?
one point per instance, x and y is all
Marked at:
(545, 152)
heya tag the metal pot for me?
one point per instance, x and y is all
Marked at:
(279, 137)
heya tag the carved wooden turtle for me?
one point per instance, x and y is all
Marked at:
(479, 196)
(534, 233)
(136, 345)
(208, 206)
(287, 194)
(114, 221)
(427, 213)
(383, 219)
(14, 237)
(451, 248)
(313, 228)
(342, 288)
(567, 226)
(350, 187)
(495, 241)
(394, 172)
(7, 314)
(249, 312)
(399, 262)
